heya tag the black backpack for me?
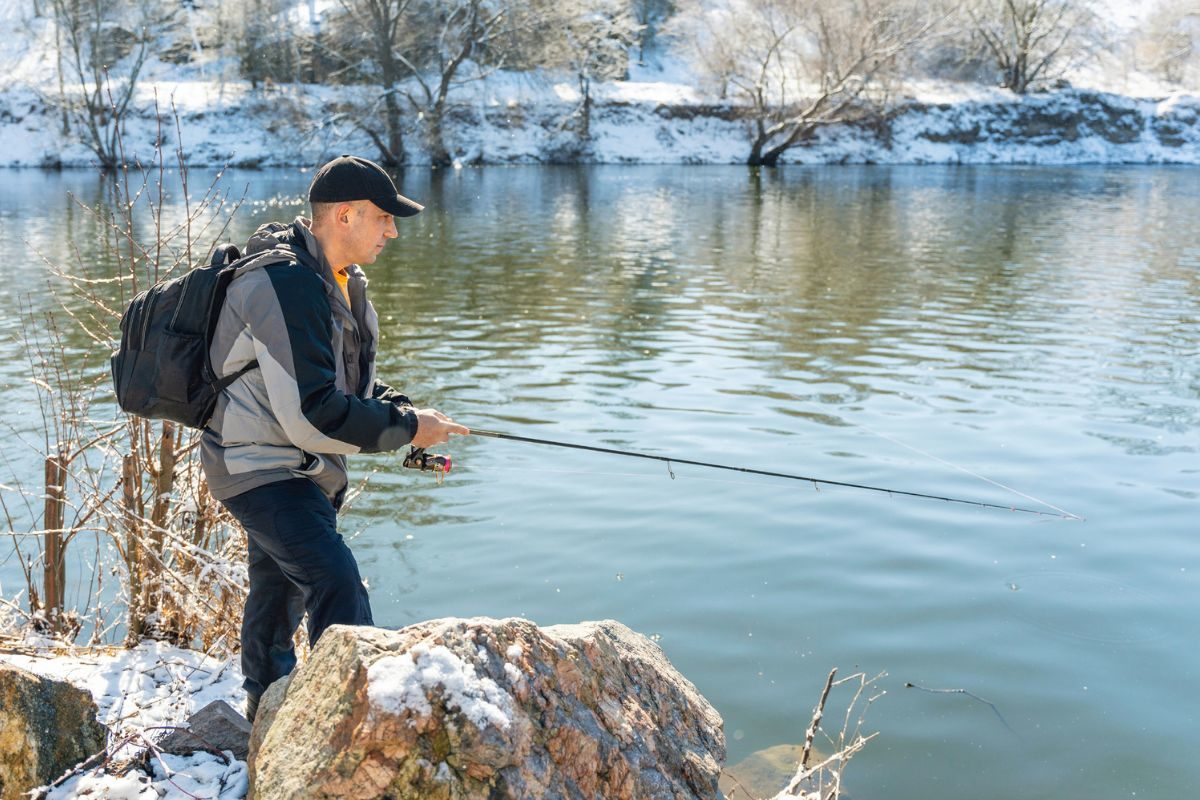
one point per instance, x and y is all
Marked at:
(162, 369)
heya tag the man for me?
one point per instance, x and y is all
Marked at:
(275, 450)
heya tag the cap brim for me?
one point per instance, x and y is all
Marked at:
(398, 206)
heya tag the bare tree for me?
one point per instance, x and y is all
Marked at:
(591, 39)
(419, 51)
(264, 41)
(1034, 41)
(465, 31)
(1168, 44)
(798, 65)
(650, 15)
(381, 20)
(103, 47)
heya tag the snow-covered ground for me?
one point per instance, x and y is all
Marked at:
(140, 693)
(662, 114)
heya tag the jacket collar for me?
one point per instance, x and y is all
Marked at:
(303, 228)
(299, 235)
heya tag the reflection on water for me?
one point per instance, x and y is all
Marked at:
(1037, 326)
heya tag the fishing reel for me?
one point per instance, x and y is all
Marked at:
(436, 463)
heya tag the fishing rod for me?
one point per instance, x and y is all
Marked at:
(441, 465)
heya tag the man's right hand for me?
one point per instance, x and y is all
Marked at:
(434, 427)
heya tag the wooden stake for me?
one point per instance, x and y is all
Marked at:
(54, 576)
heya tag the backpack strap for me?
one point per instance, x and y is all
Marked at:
(301, 256)
(221, 384)
(225, 254)
(228, 254)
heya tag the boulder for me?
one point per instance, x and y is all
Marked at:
(483, 708)
(215, 728)
(46, 727)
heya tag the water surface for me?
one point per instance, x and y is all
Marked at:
(920, 328)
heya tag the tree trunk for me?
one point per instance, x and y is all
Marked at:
(133, 548)
(54, 566)
(164, 484)
(395, 130)
(756, 149)
(585, 129)
(390, 70)
(439, 156)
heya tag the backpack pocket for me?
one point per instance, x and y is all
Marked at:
(183, 387)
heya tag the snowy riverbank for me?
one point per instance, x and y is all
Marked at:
(664, 112)
(139, 692)
(516, 119)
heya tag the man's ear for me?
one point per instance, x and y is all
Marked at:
(344, 213)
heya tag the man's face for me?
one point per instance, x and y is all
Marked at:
(370, 228)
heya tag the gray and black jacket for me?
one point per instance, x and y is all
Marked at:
(314, 398)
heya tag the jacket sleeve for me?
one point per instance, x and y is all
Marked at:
(289, 319)
(389, 395)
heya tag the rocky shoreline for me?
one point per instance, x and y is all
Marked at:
(447, 708)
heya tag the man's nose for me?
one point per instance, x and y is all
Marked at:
(391, 229)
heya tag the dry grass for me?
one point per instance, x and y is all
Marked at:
(132, 486)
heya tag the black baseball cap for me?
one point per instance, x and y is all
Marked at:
(349, 178)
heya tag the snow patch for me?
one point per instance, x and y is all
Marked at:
(404, 682)
(152, 685)
(200, 775)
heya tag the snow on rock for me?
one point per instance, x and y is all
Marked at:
(439, 709)
(396, 683)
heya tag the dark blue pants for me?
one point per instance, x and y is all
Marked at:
(297, 562)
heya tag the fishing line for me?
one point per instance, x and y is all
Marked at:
(971, 695)
(588, 472)
(966, 471)
(598, 473)
(670, 460)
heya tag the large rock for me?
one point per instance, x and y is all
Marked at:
(46, 727)
(482, 708)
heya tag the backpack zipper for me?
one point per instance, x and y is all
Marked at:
(183, 293)
(147, 306)
(149, 312)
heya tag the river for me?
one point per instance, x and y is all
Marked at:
(1024, 336)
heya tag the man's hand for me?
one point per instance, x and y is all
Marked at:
(434, 427)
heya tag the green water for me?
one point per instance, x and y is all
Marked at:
(920, 328)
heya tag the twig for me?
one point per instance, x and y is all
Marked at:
(739, 785)
(818, 712)
(845, 747)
